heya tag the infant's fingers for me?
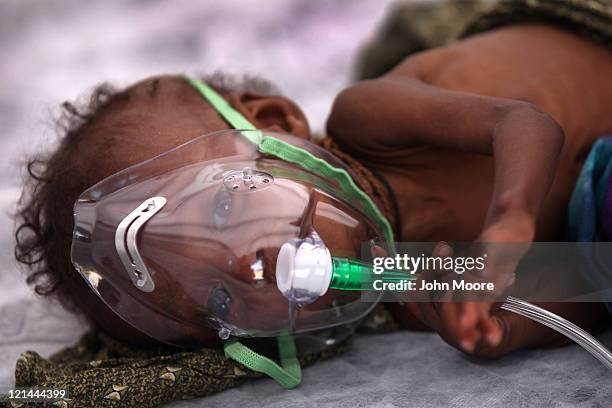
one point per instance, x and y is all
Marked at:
(490, 325)
(469, 315)
(478, 315)
(470, 332)
(508, 324)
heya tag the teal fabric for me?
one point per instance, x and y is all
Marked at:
(587, 208)
(600, 190)
(587, 201)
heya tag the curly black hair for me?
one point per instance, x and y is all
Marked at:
(44, 227)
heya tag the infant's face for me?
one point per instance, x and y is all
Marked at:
(150, 118)
(191, 266)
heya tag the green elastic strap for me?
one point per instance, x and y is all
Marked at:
(296, 155)
(308, 161)
(223, 108)
(288, 376)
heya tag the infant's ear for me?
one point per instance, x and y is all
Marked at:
(274, 113)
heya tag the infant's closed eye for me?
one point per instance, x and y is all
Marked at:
(219, 302)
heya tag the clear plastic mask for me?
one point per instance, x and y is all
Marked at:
(215, 234)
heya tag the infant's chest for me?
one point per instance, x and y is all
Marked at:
(440, 195)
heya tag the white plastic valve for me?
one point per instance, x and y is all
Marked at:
(304, 269)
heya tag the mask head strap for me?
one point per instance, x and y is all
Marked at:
(288, 374)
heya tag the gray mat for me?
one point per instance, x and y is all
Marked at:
(418, 370)
(402, 369)
(52, 51)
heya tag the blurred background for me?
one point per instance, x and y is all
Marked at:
(52, 51)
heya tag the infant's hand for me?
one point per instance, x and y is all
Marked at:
(473, 326)
(504, 242)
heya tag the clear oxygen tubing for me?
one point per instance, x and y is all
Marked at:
(561, 325)
(351, 274)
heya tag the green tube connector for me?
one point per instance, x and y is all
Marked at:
(351, 274)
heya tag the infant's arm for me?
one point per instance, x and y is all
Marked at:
(512, 93)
